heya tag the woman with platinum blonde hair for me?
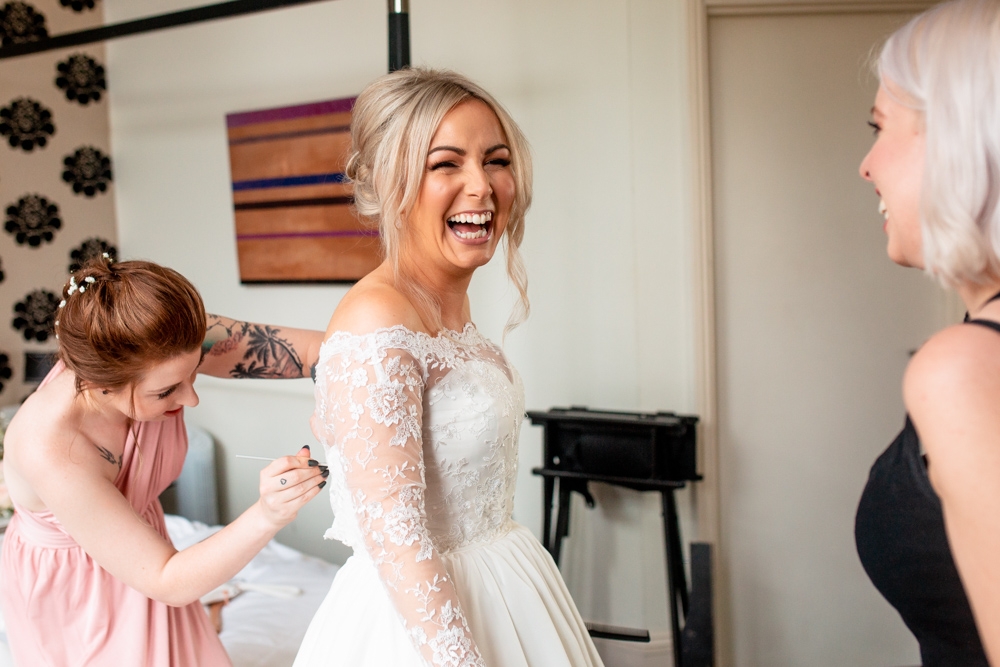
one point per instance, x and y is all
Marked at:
(420, 413)
(928, 524)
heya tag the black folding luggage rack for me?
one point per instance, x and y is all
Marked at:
(646, 452)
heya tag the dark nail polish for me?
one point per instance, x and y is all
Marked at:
(306, 447)
(325, 474)
(322, 467)
(322, 484)
(313, 463)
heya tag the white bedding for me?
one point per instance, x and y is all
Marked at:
(258, 629)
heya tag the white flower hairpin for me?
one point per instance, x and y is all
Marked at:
(74, 287)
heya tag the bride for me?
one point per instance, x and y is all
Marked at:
(420, 414)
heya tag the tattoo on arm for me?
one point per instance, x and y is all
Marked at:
(269, 356)
(221, 338)
(266, 354)
(108, 456)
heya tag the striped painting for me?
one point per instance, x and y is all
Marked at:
(294, 216)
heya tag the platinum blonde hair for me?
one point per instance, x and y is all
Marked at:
(945, 63)
(393, 122)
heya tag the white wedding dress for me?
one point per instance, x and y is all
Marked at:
(421, 437)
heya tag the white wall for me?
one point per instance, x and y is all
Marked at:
(597, 86)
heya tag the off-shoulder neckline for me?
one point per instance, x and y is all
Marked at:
(468, 334)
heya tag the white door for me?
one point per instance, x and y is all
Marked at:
(815, 326)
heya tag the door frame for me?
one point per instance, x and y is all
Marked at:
(698, 15)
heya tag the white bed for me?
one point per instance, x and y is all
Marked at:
(258, 629)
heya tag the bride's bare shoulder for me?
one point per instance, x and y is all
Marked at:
(372, 304)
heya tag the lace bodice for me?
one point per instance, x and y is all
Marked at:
(421, 437)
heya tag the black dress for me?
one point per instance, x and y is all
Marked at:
(900, 535)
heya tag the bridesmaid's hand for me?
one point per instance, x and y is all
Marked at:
(288, 483)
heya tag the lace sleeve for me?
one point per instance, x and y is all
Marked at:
(370, 416)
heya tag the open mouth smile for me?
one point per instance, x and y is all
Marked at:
(472, 226)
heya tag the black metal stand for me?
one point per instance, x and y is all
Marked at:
(644, 452)
(698, 645)
(678, 602)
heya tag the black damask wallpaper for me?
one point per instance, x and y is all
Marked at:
(36, 315)
(81, 77)
(5, 371)
(32, 219)
(26, 124)
(56, 175)
(78, 5)
(20, 23)
(88, 170)
(88, 250)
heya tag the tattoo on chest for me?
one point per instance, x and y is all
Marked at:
(265, 353)
(109, 456)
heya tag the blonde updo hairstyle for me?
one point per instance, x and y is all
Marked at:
(118, 319)
(393, 122)
(945, 63)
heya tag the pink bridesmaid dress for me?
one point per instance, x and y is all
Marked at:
(62, 609)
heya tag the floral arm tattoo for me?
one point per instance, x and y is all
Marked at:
(260, 350)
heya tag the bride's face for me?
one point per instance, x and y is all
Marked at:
(465, 198)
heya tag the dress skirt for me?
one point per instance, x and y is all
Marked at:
(517, 606)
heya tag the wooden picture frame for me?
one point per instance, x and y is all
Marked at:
(293, 209)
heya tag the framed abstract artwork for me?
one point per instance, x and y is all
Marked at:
(295, 220)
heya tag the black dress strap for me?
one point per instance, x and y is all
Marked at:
(989, 324)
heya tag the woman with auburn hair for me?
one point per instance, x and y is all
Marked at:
(89, 575)
(420, 413)
(928, 524)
